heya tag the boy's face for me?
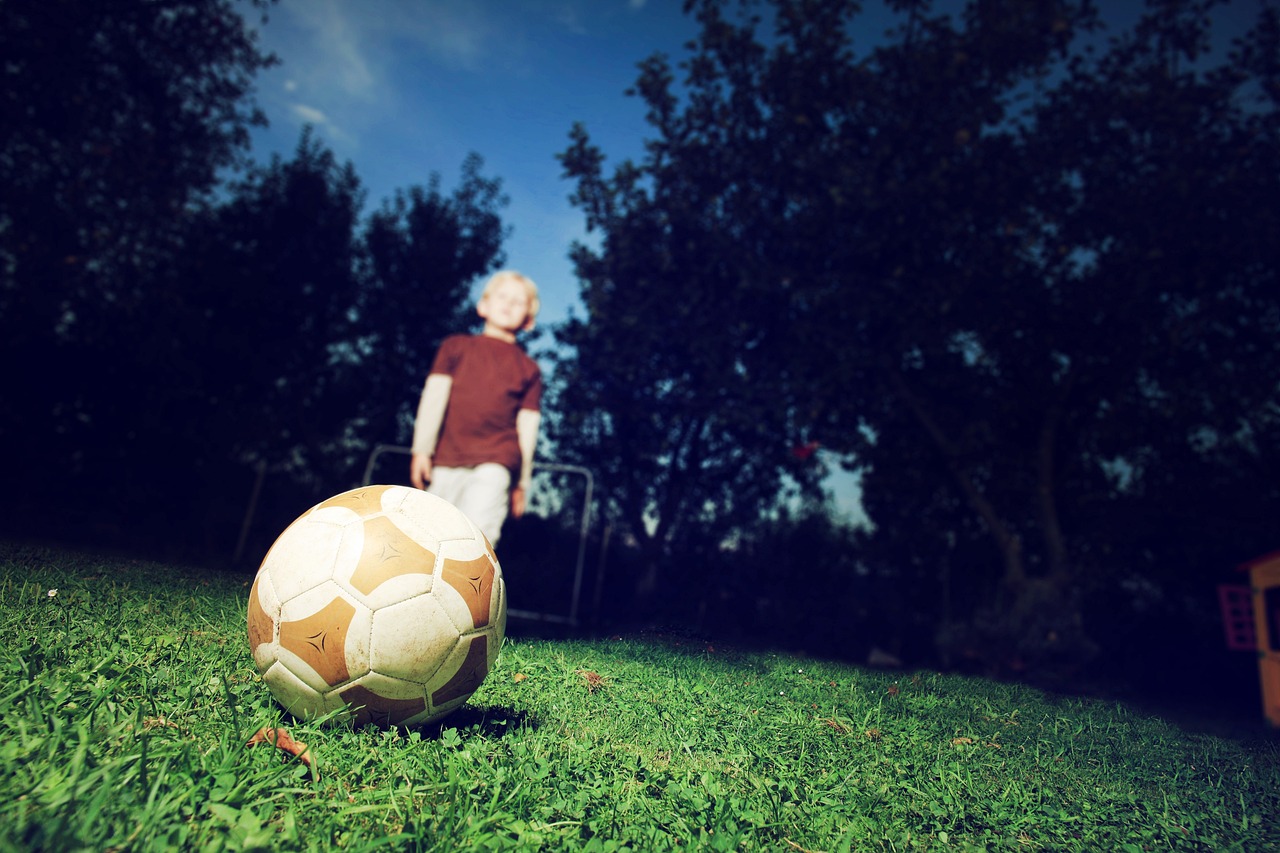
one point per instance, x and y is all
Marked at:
(505, 306)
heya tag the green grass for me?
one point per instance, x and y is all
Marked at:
(128, 696)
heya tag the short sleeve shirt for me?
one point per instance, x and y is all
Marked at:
(492, 380)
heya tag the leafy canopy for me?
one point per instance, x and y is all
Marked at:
(1014, 271)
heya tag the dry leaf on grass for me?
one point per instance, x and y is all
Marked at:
(595, 680)
(281, 740)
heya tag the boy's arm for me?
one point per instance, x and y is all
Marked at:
(528, 421)
(426, 426)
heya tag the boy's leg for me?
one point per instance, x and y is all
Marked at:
(488, 498)
(482, 493)
(447, 483)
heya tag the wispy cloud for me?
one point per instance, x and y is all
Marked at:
(458, 35)
(353, 57)
(357, 36)
(352, 63)
(333, 51)
(304, 114)
(310, 115)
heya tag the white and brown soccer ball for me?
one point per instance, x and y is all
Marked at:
(383, 600)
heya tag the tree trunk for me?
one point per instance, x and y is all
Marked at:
(1008, 542)
(1033, 623)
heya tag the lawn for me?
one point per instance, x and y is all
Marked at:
(128, 698)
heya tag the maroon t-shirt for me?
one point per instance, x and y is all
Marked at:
(492, 381)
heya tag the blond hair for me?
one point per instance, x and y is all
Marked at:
(529, 288)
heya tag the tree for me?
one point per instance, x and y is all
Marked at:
(282, 307)
(673, 394)
(271, 290)
(1129, 284)
(992, 260)
(117, 121)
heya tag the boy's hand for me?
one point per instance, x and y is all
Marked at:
(420, 470)
(517, 501)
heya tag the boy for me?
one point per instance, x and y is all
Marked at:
(479, 414)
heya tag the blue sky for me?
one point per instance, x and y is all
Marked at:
(404, 88)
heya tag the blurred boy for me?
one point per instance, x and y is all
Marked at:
(478, 418)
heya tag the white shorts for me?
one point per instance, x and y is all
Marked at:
(483, 493)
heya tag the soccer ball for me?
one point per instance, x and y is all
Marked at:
(384, 601)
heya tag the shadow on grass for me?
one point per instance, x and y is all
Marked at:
(490, 722)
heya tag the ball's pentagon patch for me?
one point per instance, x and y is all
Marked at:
(373, 708)
(467, 677)
(364, 501)
(388, 553)
(413, 654)
(473, 580)
(321, 640)
(262, 628)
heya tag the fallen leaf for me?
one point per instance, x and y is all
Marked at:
(280, 739)
(961, 741)
(595, 680)
(519, 677)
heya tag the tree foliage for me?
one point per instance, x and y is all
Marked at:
(317, 323)
(671, 395)
(270, 325)
(177, 316)
(1014, 271)
(117, 119)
